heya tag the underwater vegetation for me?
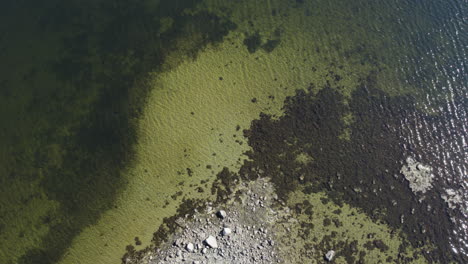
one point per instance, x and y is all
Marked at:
(75, 86)
(106, 48)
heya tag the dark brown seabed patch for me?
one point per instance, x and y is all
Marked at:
(363, 171)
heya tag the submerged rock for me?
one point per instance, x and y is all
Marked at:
(452, 198)
(330, 254)
(418, 175)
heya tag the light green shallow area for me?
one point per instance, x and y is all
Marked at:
(172, 139)
(322, 225)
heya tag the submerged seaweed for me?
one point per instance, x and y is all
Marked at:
(108, 47)
(363, 171)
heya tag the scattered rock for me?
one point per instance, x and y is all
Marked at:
(221, 214)
(330, 254)
(226, 231)
(190, 247)
(211, 242)
(253, 241)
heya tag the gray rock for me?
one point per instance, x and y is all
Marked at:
(190, 247)
(330, 254)
(221, 214)
(226, 231)
(211, 242)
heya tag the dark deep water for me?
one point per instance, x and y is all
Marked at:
(69, 103)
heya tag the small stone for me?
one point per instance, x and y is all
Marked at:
(178, 242)
(211, 242)
(190, 247)
(329, 256)
(204, 251)
(226, 231)
(221, 214)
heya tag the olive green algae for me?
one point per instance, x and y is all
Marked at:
(320, 225)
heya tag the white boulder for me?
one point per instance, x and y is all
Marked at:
(211, 242)
(221, 214)
(330, 254)
(226, 231)
(190, 247)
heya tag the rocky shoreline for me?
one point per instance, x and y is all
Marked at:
(240, 232)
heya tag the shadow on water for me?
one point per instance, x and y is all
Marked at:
(108, 47)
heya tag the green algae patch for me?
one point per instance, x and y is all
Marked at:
(319, 225)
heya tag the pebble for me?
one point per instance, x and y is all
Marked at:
(211, 242)
(221, 214)
(329, 256)
(226, 231)
(190, 247)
